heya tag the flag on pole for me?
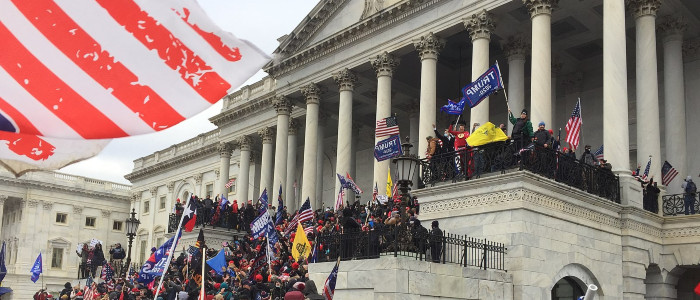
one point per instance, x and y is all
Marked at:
(351, 184)
(263, 200)
(190, 215)
(645, 175)
(200, 243)
(229, 184)
(224, 201)
(599, 153)
(387, 126)
(668, 173)
(389, 184)
(36, 269)
(305, 213)
(301, 247)
(454, 108)
(78, 74)
(3, 268)
(155, 265)
(339, 200)
(218, 262)
(329, 285)
(573, 126)
(107, 272)
(280, 208)
(487, 84)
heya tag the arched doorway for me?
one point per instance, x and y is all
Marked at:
(688, 278)
(568, 288)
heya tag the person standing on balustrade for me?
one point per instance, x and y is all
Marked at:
(690, 189)
(522, 129)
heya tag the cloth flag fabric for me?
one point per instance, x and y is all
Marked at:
(387, 126)
(229, 184)
(259, 226)
(389, 183)
(3, 268)
(487, 84)
(352, 185)
(97, 70)
(485, 134)
(599, 154)
(339, 199)
(263, 201)
(218, 262)
(645, 175)
(329, 285)
(280, 209)
(224, 201)
(668, 173)
(155, 264)
(454, 108)
(301, 247)
(107, 272)
(200, 243)
(36, 269)
(190, 215)
(305, 213)
(573, 126)
(375, 192)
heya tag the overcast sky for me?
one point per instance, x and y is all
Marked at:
(260, 22)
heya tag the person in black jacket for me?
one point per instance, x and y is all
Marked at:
(435, 241)
(66, 291)
(651, 196)
(98, 258)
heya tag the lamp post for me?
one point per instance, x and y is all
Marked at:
(406, 165)
(132, 224)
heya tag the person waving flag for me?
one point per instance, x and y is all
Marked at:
(329, 286)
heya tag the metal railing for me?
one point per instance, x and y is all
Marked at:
(501, 156)
(407, 242)
(226, 219)
(87, 269)
(675, 204)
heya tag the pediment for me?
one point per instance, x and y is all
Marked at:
(59, 242)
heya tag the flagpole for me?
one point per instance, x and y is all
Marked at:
(204, 260)
(172, 249)
(500, 76)
(269, 263)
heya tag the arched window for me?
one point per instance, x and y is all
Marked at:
(567, 288)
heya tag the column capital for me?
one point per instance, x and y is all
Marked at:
(345, 79)
(429, 46)
(282, 105)
(312, 93)
(47, 205)
(516, 48)
(538, 7)
(267, 134)
(413, 107)
(672, 28)
(480, 25)
(135, 196)
(153, 190)
(640, 8)
(245, 143)
(198, 178)
(385, 64)
(293, 126)
(106, 213)
(3, 198)
(225, 149)
(171, 186)
(77, 209)
(691, 49)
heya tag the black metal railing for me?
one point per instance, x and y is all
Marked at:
(407, 242)
(501, 156)
(209, 217)
(675, 204)
(119, 267)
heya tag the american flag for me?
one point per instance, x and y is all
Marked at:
(375, 192)
(74, 71)
(230, 183)
(668, 173)
(329, 285)
(339, 200)
(573, 127)
(387, 126)
(646, 171)
(599, 153)
(107, 272)
(303, 214)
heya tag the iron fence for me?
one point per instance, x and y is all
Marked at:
(208, 217)
(474, 162)
(119, 268)
(406, 241)
(675, 204)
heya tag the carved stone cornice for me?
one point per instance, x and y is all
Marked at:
(282, 105)
(640, 8)
(538, 7)
(217, 173)
(106, 213)
(345, 79)
(516, 48)
(153, 190)
(293, 126)
(47, 205)
(224, 149)
(385, 64)
(30, 203)
(312, 93)
(681, 232)
(429, 46)
(77, 209)
(312, 23)
(245, 143)
(672, 28)
(52, 187)
(171, 186)
(198, 178)
(480, 25)
(175, 162)
(244, 111)
(267, 134)
(3, 198)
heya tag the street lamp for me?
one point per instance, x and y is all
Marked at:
(132, 224)
(406, 165)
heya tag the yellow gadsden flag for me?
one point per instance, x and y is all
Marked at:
(389, 184)
(487, 133)
(301, 247)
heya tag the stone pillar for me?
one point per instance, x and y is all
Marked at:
(225, 150)
(267, 134)
(346, 83)
(353, 150)
(3, 198)
(313, 97)
(384, 64)
(556, 70)
(415, 138)
(647, 106)
(289, 197)
(283, 108)
(615, 118)
(480, 27)
(244, 144)
(541, 77)
(674, 97)
(428, 48)
(255, 175)
(320, 157)
(516, 50)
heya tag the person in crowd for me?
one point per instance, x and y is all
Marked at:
(475, 126)
(178, 208)
(587, 157)
(435, 241)
(98, 259)
(311, 292)
(651, 196)
(522, 129)
(84, 254)
(208, 205)
(460, 135)
(67, 290)
(542, 136)
(503, 128)
(117, 254)
(296, 292)
(690, 190)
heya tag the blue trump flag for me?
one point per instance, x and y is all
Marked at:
(36, 269)
(3, 268)
(155, 265)
(263, 201)
(482, 87)
(218, 262)
(453, 108)
(386, 149)
(280, 208)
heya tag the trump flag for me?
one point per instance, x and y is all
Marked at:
(81, 70)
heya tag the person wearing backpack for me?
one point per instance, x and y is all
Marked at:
(690, 189)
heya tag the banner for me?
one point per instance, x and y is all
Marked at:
(485, 134)
(155, 265)
(389, 148)
(482, 87)
(260, 226)
(453, 108)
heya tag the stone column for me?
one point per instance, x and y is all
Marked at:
(255, 175)
(3, 198)
(225, 150)
(353, 150)
(480, 27)
(267, 134)
(516, 50)
(541, 77)
(320, 157)
(346, 83)
(647, 106)
(615, 118)
(243, 180)
(428, 48)
(384, 64)
(313, 97)
(415, 138)
(283, 108)
(556, 70)
(289, 197)
(674, 97)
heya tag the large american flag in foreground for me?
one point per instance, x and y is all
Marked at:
(573, 126)
(78, 70)
(668, 173)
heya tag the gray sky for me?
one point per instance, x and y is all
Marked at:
(260, 22)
